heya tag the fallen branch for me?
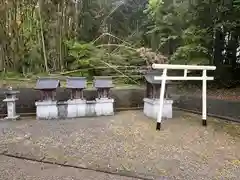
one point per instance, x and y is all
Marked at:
(117, 45)
(86, 69)
(108, 34)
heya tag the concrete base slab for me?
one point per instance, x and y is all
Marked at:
(151, 108)
(104, 107)
(46, 110)
(90, 108)
(76, 108)
(17, 117)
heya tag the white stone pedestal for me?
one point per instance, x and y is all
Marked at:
(46, 110)
(11, 108)
(90, 109)
(151, 108)
(76, 108)
(104, 107)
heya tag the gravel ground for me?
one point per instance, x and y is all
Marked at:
(15, 169)
(128, 143)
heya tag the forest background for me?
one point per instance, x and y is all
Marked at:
(118, 38)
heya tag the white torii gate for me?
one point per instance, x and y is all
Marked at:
(164, 78)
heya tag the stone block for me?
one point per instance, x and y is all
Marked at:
(104, 107)
(151, 108)
(11, 108)
(46, 110)
(90, 108)
(76, 108)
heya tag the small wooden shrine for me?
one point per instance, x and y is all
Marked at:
(153, 86)
(47, 87)
(103, 84)
(76, 85)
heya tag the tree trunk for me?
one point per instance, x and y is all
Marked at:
(218, 47)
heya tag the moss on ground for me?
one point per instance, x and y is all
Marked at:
(231, 128)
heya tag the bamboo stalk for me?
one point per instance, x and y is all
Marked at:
(42, 37)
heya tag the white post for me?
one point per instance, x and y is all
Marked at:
(162, 92)
(204, 98)
(185, 72)
(185, 77)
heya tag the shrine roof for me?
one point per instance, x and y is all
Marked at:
(149, 76)
(47, 83)
(103, 82)
(76, 82)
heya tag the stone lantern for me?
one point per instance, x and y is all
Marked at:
(104, 103)
(77, 103)
(151, 100)
(11, 104)
(47, 106)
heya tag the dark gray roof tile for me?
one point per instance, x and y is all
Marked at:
(47, 83)
(76, 82)
(103, 82)
(149, 76)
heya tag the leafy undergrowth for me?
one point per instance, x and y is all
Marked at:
(17, 80)
(231, 128)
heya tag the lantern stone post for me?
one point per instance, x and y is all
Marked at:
(11, 98)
